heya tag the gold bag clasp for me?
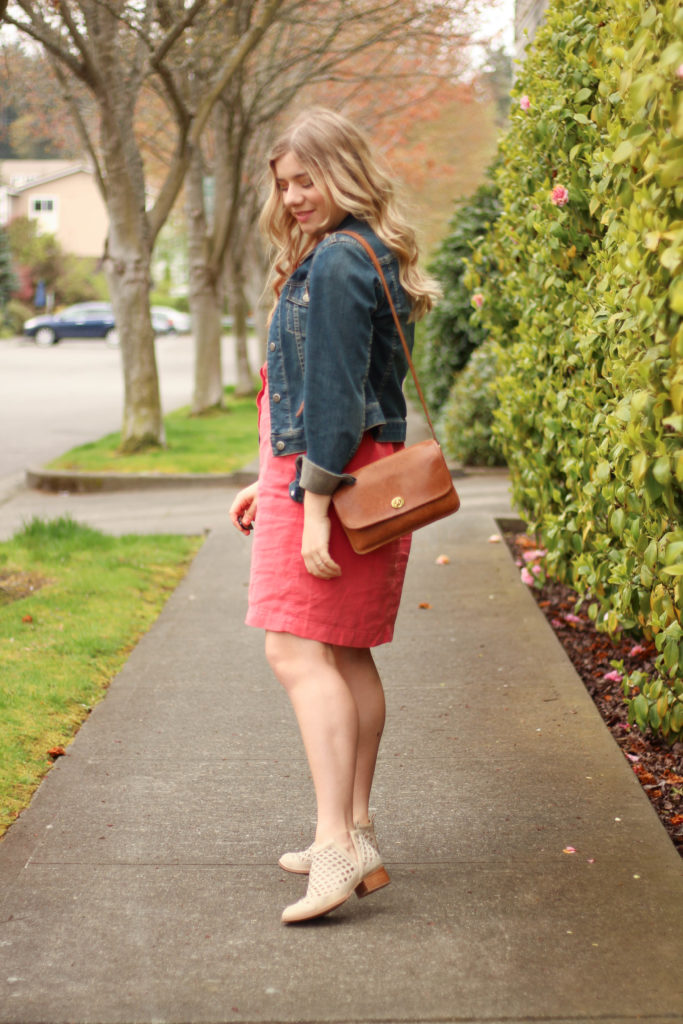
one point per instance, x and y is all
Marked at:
(398, 502)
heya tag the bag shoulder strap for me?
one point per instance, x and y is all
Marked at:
(371, 253)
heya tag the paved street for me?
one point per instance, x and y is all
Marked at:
(54, 398)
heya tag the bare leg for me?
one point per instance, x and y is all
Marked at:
(358, 669)
(328, 720)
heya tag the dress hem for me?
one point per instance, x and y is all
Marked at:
(319, 631)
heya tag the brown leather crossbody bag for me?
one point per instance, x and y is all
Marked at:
(403, 491)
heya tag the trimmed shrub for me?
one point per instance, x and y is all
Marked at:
(586, 312)
(467, 419)
(450, 335)
(13, 317)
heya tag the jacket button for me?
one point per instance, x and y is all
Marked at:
(276, 397)
(280, 446)
(272, 346)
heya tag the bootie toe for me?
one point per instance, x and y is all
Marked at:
(333, 876)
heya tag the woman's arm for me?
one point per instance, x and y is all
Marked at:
(315, 540)
(339, 329)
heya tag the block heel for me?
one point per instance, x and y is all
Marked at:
(371, 883)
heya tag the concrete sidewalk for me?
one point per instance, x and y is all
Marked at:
(142, 883)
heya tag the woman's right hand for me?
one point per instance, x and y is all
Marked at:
(243, 508)
(315, 540)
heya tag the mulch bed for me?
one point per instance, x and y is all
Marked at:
(14, 585)
(659, 767)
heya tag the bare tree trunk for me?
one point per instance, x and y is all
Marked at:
(208, 375)
(127, 265)
(143, 424)
(206, 299)
(239, 308)
(255, 287)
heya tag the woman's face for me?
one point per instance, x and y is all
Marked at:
(315, 211)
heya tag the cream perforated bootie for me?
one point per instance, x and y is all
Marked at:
(333, 876)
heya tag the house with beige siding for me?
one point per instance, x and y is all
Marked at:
(61, 196)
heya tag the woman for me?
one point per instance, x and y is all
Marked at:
(332, 401)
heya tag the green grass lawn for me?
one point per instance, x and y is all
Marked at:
(73, 603)
(220, 441)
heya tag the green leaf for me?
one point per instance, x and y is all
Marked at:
(640, 708)
(677, 717)
(673, 570)
(671, 173)
(623, 152)
(618, 521)
(639, 465)
(671, 656)
(650, 555)
(676, 296)
(662, 470)
(603, 472)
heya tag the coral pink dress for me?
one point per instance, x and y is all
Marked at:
(356, 609)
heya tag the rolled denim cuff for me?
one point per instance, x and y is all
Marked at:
(318, 480)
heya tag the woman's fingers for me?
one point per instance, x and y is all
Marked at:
(243, 509)
(324, 567)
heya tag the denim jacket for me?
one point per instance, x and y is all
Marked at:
(335, 360)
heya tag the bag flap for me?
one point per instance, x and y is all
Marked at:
(394, 485)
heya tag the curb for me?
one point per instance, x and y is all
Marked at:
(98, 483)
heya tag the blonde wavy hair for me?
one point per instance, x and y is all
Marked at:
(342, 165)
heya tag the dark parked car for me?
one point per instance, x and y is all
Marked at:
(84, 320)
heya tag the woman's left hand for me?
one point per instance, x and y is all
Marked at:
(315, 541)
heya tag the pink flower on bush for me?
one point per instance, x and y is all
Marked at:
(635, 651)
(536, 569)
(679, 71)
(527, 577)
(478, 300)
(613, 676)
(531, 556)
(559, 196)
(524, 102)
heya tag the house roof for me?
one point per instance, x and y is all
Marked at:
(29, 174)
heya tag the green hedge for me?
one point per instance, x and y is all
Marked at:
(466, 425)
(451, 333)
(586, 312)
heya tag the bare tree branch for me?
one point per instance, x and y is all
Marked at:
(239, 52)
(79, 41)
(80, 123)
(43, 34)
(175, 33)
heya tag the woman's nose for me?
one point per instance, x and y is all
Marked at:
(293, 195)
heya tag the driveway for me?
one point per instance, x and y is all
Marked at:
(54, 398)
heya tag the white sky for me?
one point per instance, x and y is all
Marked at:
(498, 19)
